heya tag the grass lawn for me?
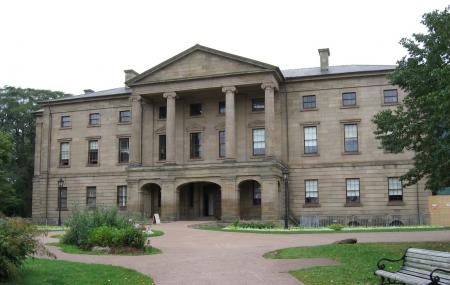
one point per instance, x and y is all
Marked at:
(357, 261)
(58, 272)
(68, 248)
(156, 233)
(312, 231)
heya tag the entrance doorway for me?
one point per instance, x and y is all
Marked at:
(199, 201)
(250, 200)
(151, 200)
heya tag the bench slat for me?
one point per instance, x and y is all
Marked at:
(435, 264)
(422, 273)
(429, 252)
(421, 266)
(403, 278)
(428, 257)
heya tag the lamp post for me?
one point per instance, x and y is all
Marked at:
(286, 200)
(60, 187)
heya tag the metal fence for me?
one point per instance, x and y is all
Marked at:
(315, 221)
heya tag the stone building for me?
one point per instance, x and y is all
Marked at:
(212, 135)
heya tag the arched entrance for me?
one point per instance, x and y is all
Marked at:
(250, 200)
(151, 200)
(199, 201)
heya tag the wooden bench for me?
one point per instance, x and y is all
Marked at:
(420, 267)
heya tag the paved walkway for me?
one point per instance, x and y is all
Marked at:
(197, 257)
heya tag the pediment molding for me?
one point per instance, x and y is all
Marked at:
(195, 127)
(161, 130)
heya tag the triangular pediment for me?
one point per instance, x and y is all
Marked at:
(200, 62)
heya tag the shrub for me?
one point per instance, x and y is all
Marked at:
(16, 243)
(116, 238)
(336, 227)
(253, 225)
(82, 223)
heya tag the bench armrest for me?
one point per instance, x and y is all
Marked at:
(436, 279)
(382, 266)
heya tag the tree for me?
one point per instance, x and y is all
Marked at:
(421, 123)
(17, 120)
(8, 198)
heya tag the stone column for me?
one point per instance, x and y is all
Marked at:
(269, 116)
(136, 135)
(169, 200)
(230, 123)
(230, 199)
(269, 199)
(170, 128)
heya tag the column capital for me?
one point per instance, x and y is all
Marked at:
(170, 95)
(269, 85)
(136, 98)
(229, 89)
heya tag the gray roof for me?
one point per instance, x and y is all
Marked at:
(109, 92)
(288, 73)
(337, 69)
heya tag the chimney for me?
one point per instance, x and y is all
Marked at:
(87, 91)
(129, 74)
(324, 54)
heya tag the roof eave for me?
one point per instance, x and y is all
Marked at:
(338, 75)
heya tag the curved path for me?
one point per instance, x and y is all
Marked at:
(192, 256)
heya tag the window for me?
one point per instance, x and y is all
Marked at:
(221, 143)
(64, 155)
(310, 139)
(124, 116)
(195, 110)
(162, 112)
(62, 198)
(390, 96)
(352, 185)
(257, 104)
(91, 196)
(122, 196)
(94, 119)
(395, 189)
(349, 99)
(124, 150)
(162, 147)
(196, 143)
(65, 122)
(256, 193)
(309, 102)
(259, 141)
(93, 152)
(311, 192)
(351, 138)
(222, 107)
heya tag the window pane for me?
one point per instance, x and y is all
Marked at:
(195, 109)
(349, 98)
(124, 150)
(311, 191)
(124, 116)
(122, 196)
(94, 119)
(65, 121)
(309, 102)
(162, 147)
(390, 96)
(64, 153)
(221, 143)
(162, 112)
(351, 138)
(93, 152)
(259, 142)
(352, 190)
(222, 107)
(395, 189)
(196, 145)
(63, 198)
(91, 197)
(257, 104)
(310, 139)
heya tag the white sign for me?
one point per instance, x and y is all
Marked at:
(156, 219)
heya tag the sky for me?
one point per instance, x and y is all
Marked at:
(75, 45)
